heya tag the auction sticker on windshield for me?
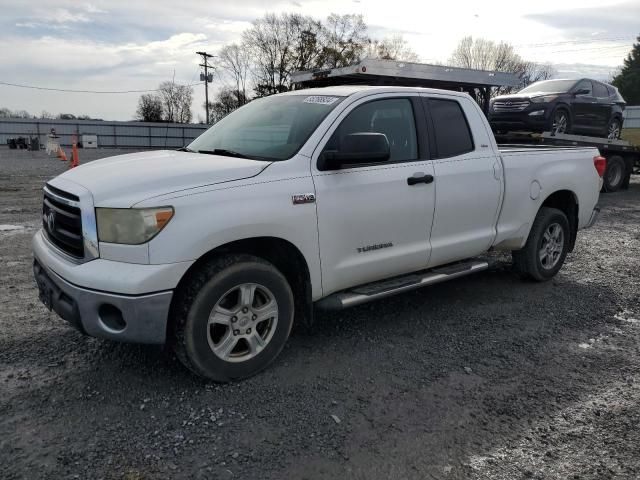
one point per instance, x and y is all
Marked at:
(321, 99)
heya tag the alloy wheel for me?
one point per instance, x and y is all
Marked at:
(552, 246)
(560, 122)
(614, 130)
(242, 322)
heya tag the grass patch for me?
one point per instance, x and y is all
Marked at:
(632, 135)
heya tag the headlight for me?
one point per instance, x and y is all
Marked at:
(546, 99)
(131, 226)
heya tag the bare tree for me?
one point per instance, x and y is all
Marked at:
(482, 54)
(235, 61)
(176, 102)
(226, 101)
(149, 108)
(270, 42)
(308, 35)
(345, 40)
(391, 48)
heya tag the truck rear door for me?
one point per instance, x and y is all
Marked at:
(468, 179)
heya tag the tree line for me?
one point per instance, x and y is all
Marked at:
(8, 113)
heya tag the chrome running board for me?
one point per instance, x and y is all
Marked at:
(386, 288)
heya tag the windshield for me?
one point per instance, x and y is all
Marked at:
(549, 86)
(270, 128)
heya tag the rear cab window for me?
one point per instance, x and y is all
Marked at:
(451, 130)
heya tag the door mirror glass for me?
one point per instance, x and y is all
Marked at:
(582, 91)
(358, 148)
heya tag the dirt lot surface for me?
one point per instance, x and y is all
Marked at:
(486, 377)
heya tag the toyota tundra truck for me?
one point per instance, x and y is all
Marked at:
(320, 198)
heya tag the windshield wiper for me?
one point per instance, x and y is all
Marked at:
(231, 153)
(185, 149)
(224, 152)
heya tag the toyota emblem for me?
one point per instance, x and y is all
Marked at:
(50, 220)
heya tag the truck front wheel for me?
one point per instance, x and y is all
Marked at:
(546, 248)
(232, 317)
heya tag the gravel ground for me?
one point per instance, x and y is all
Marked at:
(486, 377)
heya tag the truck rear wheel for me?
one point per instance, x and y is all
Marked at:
(614, 175)
(546, 248)
(232, 318)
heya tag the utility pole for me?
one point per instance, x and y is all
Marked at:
(207, 79)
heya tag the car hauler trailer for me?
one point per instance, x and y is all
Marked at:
(372, 71)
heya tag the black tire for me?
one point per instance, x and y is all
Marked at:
(196, 299)
(614, 129)
(527, 261)
(554, 118)
(614, 175)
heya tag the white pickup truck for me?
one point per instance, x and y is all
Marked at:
(329, 197)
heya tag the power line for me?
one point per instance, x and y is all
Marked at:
(65, 90)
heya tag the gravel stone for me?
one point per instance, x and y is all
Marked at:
(549, 402)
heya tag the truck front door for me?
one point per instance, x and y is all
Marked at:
(373, 222)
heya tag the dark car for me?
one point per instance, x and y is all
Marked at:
(580, 106)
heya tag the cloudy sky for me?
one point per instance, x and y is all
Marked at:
(116, 45)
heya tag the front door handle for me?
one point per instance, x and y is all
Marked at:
(419, 178)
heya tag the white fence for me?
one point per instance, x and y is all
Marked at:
(632, 117)
(110, 134)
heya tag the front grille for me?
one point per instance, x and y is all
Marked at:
(62, 221)
(510, 105)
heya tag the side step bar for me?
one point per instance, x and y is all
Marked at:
(386, 288)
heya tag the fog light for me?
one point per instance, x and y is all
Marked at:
(111, 317)
(536, 113)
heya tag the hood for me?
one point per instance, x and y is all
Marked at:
(526, 96)
(124, 180)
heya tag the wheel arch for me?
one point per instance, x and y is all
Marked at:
(567, 202)
(281, 253)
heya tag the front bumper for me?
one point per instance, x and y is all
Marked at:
(103, 298)
(125, 318)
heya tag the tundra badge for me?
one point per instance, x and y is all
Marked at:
(303, 198)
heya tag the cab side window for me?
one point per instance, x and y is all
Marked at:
(450, 127)
(393, 117)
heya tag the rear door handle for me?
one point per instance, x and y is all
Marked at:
(419, 178)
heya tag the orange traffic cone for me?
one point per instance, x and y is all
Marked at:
(74, 156)
(61, 155)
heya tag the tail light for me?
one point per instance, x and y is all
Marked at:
(601, 164)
